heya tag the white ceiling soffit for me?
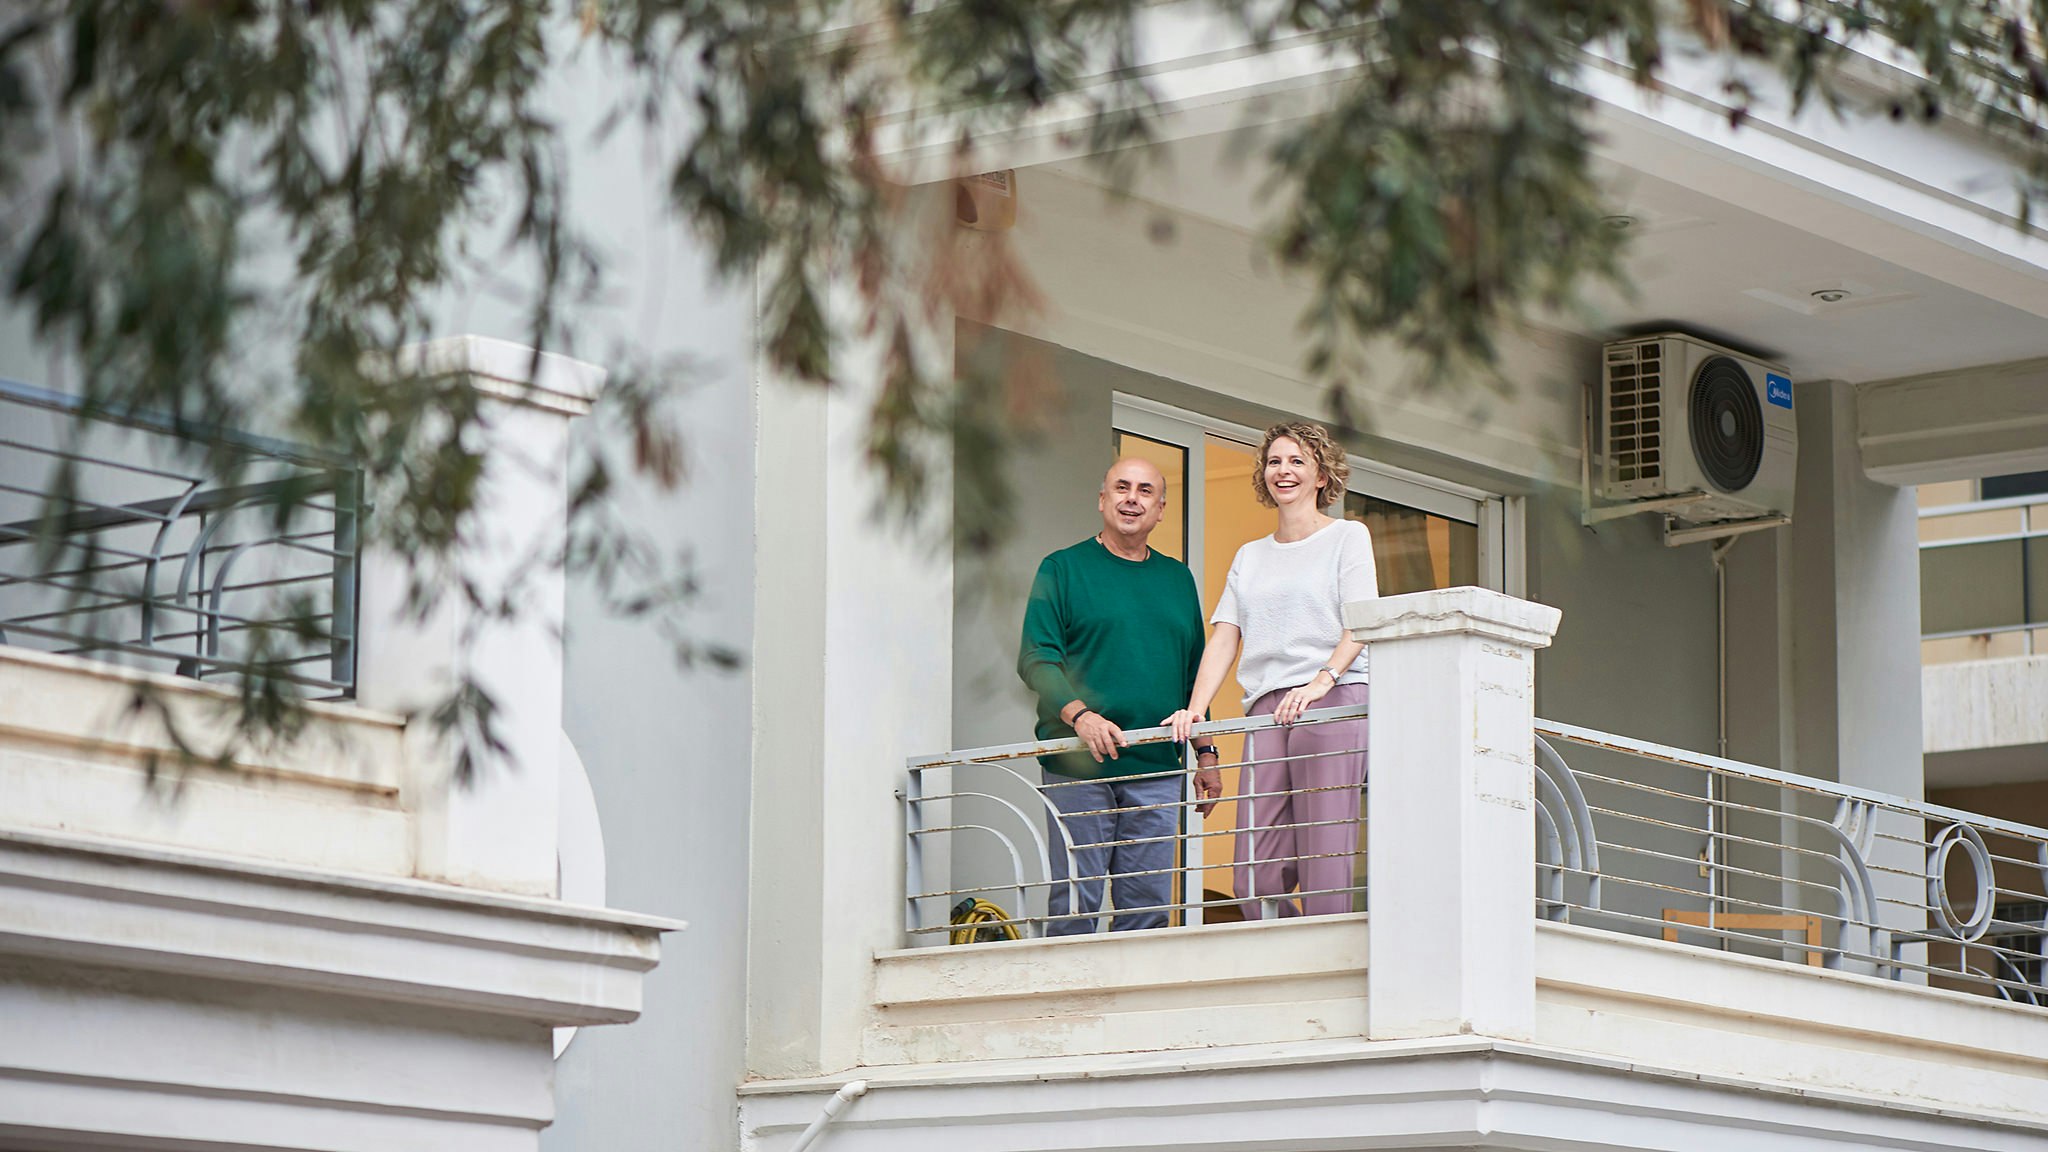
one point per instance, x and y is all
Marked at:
(1956, 425)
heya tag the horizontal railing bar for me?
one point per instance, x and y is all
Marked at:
(141, 561)
(1941, 511)
(2031, 990)
(1898, 932)
(1135, 736)
(164, 604)
(1987, 538)
(157, 511)
(216, 663)
(281, 581)
(98, 461)
(1063, 917)
(224, 664)
(1988, 630)
(283, 623)
(1164, 804)
(31, 528)
(1654, 822)
(1739, 769)
(29, 395)
(1696, 862)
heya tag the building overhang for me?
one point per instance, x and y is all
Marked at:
(1466, 1092)
(154, 995)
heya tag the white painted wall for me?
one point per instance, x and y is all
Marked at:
(1207, 307)
(667, 748)
(77, 758)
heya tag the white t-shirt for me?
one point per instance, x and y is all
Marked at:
(1288, 600)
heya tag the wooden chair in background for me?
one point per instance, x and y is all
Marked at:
(1749, 922)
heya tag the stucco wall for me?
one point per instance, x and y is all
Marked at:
(667, 748)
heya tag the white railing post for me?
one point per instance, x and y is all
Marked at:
(1450, 825)
(499, 830)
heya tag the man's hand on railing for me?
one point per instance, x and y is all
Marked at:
(1208, 789)
(1103, 737)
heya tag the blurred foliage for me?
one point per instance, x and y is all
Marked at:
(187, 180)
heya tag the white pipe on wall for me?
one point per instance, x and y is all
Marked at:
(849, 1092)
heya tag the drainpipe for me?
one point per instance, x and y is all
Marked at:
(849, 1092)
(1716, 818)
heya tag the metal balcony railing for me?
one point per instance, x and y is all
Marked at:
(1631, 836)
(113, 547)
(1652, 840)
(996, 802)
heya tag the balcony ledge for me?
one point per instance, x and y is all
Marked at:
(1237, 997)
(93, 901)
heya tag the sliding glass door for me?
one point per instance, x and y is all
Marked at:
(1426, 535)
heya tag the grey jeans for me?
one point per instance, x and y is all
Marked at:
(1103, 818)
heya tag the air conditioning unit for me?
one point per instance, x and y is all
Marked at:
(1680, 417)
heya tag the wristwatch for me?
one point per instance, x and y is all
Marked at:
(1208, 750)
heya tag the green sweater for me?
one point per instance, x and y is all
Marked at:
(1124, 636)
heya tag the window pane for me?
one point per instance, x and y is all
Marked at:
(1972, 586)
(1947, 492)
(2037, 580)
(1996, 522)
(1414, 550)
(2018, 484)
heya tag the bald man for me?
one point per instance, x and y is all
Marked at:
(1112, 640)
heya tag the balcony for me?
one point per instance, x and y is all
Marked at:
(321, 938)
(1557, 932)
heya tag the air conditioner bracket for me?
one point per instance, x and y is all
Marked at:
(1676, 535)
(1591, 513)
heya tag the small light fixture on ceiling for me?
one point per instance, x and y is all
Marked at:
(1831, 295)
(1620, 223)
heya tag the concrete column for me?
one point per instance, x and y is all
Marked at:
(498, 831)
(1855, 622)
(1855, 607)
(852, 667)
(1451, 840)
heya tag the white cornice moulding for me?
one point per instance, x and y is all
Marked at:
(1453, 611)
(510, 372)
(1461, 1092)
(101, 902)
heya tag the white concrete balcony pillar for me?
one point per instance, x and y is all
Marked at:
(498, 830)
(1451, 841)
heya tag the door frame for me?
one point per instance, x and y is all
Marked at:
(1499, 519)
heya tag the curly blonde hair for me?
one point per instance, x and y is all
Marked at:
(1316, 441)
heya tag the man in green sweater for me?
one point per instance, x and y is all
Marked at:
(1112, 639)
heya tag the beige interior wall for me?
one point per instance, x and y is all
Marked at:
(1231, 517)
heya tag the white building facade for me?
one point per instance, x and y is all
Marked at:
(1717, 707)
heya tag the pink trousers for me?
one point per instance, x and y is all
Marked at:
(1299, 826)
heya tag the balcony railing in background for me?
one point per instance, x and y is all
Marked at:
(1653, 840)
(994, 799)
(113, 546)
(1984, 577)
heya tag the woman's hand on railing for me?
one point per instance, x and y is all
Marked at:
(1298, 701)
(1183, 724)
